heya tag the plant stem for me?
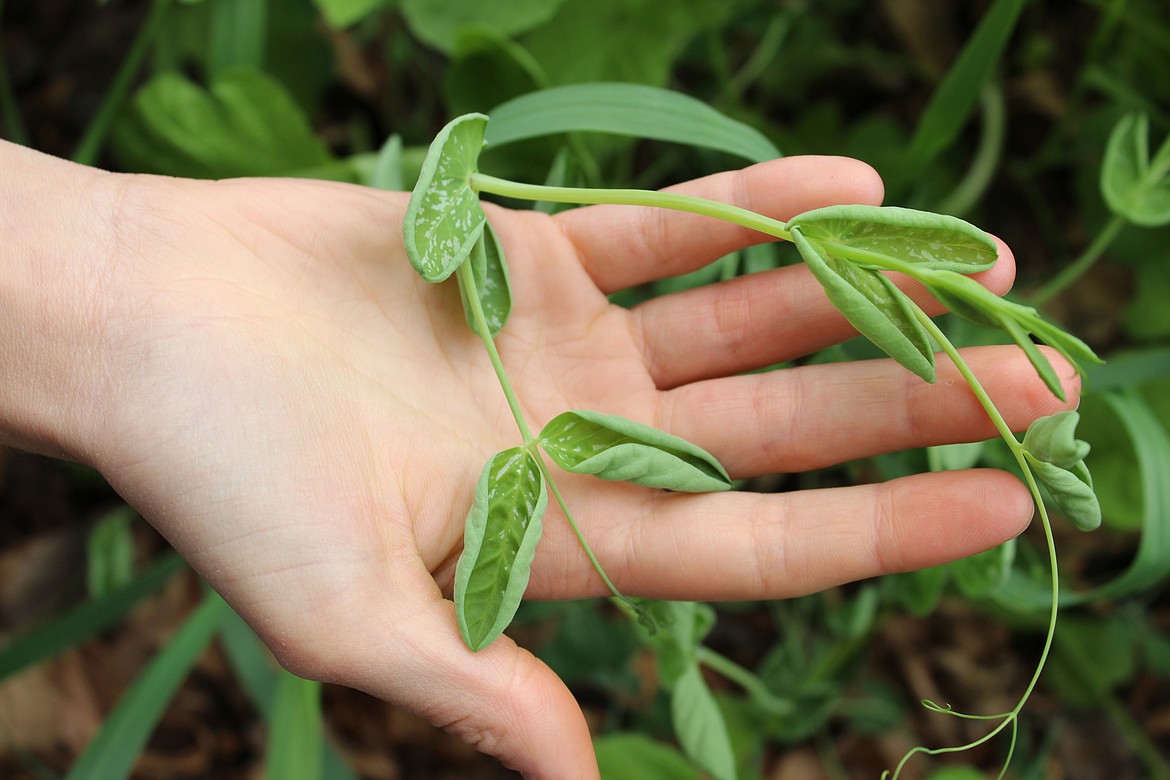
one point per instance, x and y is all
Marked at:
(1076, 269)
(95, 135)
(1017, 450)
(481, 182)
(467, 278)
(761, 694)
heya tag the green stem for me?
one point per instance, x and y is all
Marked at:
(467, 279)
(95, 135)
(761, 694)
(1017, 451)
(481, 182)
(1076, 269)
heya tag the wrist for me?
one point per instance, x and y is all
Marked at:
(58, 228)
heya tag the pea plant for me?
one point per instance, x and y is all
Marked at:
(848, 249)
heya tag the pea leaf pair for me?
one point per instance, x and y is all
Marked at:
(1057, 459)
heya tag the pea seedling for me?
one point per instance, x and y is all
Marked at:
(847, 249)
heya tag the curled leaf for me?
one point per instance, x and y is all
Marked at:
(1057, 459)
(1053, 439)
(444, 218)
(493, 285)
(1134, 186)
(935, 241)
(499, 543)
(614, 448)
(872, 304)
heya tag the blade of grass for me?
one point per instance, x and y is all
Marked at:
(114, 751)
(95, 135)
(956, 95)
(295, 739)
(625, 109)
(85, 620)
(255, 669)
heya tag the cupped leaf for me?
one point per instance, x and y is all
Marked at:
(1134, 186)
(871, 233)
(636, 110)
(493, 285)
(1071, 491)
(444, 219)
(872, 304)
(612, 447)
(1053, 439)
(499, 543)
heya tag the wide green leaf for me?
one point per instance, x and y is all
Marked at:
(700, 726)
(245, 124)
(872, 304)
(635, 110)
(499, 543)
(493, 285)
(1134, 186)
(439, 22)
(634, 756)
(444, 219)
(871, 233)
(615, 448)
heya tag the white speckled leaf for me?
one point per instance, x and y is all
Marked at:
(499, 543)
(935, 241)
(444, 219)
(872, 304)
(614, 448)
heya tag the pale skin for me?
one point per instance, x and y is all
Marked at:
(254, 366)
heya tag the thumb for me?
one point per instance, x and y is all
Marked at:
(502, 699)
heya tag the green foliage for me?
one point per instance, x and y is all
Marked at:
(1135, 186)
(503, 527)
(612, 447)
(635, 757)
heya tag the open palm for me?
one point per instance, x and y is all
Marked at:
(305, 419)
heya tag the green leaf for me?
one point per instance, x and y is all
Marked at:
(634, 756)
(238, 32)
(499, 543)
(1071, 491)
(700, 726)
(1134, 186)
(871, 233)
(682, 626)
(110, 553)
(614, 448)
(296, 740)
(247, 124)
(388, 166)
(635, 110)
(1042, 365)
(872, 304)
(342, 13)
(444, 219)
(1053, 439)
(492, 282)
(985, 572)
(86, 619)
(114, 751)
(439, 22)
(959, 90)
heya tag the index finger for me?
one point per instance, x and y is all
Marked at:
(620, 246)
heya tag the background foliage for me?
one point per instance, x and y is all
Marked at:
(1002, 112)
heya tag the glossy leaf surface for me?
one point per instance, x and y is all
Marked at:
(444, 219)
(492, 284)
(1134, 186)
(872, 304)
(935, 241)
(614, 448)
(499, 543)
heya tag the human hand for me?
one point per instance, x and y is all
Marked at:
(277, 392)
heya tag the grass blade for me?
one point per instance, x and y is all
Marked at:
(114, 751)
(625, 109)
(85, 620)
(960, 89)
(296, 739)
(238, 30)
